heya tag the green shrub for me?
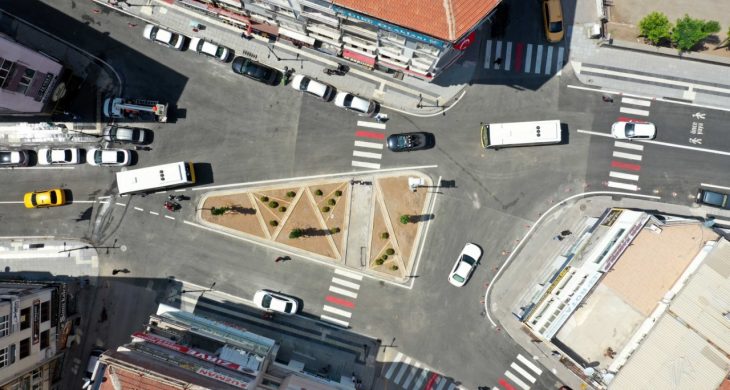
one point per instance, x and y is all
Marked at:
(379, 261)
(219, 210)
(384, 235)
(291, 194)
(273, 204)
(390, 251)
(282, 209)
(384, 257)
(325, 209)
(334, 230)
(688, 32)
(296, 233)
(264, 199)
(394, 267)
(331, 202)
(404, 219)
(338, 193)
(318, 192)
(656, 28)
(273, 223)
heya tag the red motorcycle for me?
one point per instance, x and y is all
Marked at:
(172, 206)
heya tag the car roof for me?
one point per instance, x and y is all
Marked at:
(163, 35)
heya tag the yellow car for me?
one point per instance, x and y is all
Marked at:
(48, 198)
(552, 12)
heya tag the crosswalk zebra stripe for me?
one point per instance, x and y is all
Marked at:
(623, 176)
(346, 283)
(628, 145)
(411, 374)
(623, 186)
(373, 125)
(636, 102)
(634, 111)
(523, 372)
(508, 56)
(627, 156)
(442, 382)
(528, 59)
(337, 311)
(488, 54)
(339, 322)
(363, 164)
(561, 57)
(549, 60)
(516, 380)
(538, 59)
(421, 377)
(358, 153)
(344, 292)
(529, 364)
(393, 365)
(370, 145)
(348, 274)
(498, 53)
(402, 370)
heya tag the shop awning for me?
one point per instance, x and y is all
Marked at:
(266, 28)
(359, 58)
(297, 36)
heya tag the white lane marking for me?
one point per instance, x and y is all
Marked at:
(538, 59)
(549, 60)
(441, 385)
(183, 190)
(528, 59)
(421, 377)
(529, 364)
(120, 204)
(402, 370)
(624, 176)
(104, 197)
(714, 186)
(623, 186)
(341, 323)
(12, 202)
(348, 274)
(634, 111)
(636, 102)
(393, 365)
(498, 54)
(138, 209)
(488, 54)
(357, 153)
(160, 192)
(560, 60)
(169, 217)
(103, 202)
(508, 56)
(337, 311)
(516, 380)
(370, 145)
(523, 372)
(628, 145)
(85, 201)
(342, 291)
(346, 283)
(362, 164)
(411, 374)
(39, 168)
(689, 86)
(656, 99)
(373, 125)
(154, 213)
(628, 156)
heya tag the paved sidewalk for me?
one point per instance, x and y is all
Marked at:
(358, 231)
(399, 95)
(54, 257)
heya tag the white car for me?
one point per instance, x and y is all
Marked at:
(132, 135)
(163, 37)
(271, 301)
(465, 264)
(108, 157)
(58, 156)
(201, 46)
(313, 87)
(349, 101)
(633, 130)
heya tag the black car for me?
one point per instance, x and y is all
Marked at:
(406, 142)
(14, 158)
(713, 198)
(254, 70)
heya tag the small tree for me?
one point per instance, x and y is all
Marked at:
(379, 261)
(291, 194)
(394, 267)
(689, 32)
(384, 235)
(273, 223)
(264, 198)
(405, 218)
(384, 257)
(273, 204)
(655, 27)
(325, 209)
(282, 209)
(296, 233)
(219, 210)
(334, 230)
(390, 251)
(338, 193)
(331, 202)
(318, 192)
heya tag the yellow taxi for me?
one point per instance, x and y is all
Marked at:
(48, 198)
(552, 12)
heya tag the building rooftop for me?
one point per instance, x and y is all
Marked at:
(444, 19)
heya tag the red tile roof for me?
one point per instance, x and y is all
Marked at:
(444, 19)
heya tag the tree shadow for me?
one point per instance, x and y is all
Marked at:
(242, 210)
(421, 218)
(314, 232)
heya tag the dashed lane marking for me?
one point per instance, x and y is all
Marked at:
(372, 125)
(339, 312)
(627, 156)
(357, 153)
(138, 209)
(169, 217)
(154, 213)
(120, 204)
(362, 164)
(624, 176)
(623, 186)
(346, 283)
(370, 145)
(348, 274)
(344, 292)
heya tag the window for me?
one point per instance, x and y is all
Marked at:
(25, 318)
(5, 67)
(46, 306)
(25, 348)
(45, 339)
(4, 325)
(4, 357)
(25, 80)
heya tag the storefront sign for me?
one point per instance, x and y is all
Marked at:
(36, 321)
(391, 27)
(358, 58)
(46, 83)
(15, 313)
(222, 378)
(466, 42)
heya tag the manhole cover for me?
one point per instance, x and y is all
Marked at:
(123, 248)
(59, 92)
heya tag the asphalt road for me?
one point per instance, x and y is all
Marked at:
(247, 132)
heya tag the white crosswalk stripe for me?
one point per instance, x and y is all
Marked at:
(636, 102)
(634, 111)
(402, 370)
(532, 366)
(623, 176)
(488, 54)
(393, 365)
(362, 164)
(411, 374)
(334, 320)
(528, 58)
(538, 59)
(342, 291)
(348, 274)
(549, 60)
(522, 372)
(373, 125)
(442, 382)
(508, 56)
(334, 310)
(627, 156)
(369, 145)
(561, 59)
(512, 377)
(628, 145)
(623, 186)
(357, 153)
(421, 377)
(498, 54)
(346, 283)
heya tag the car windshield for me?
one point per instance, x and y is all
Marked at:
(5, 157)
(304, 84)
(120, 156)
(458, 278)
(629, 128)
(219, 52)
(67, 155)
(288, 307)
(33, 200)
(54, 197)
(348, 100)
(555, 27)
(266, 301)
(467, 259)
(97, 157)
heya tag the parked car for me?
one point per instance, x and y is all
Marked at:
(465, 264)
(163, 37)
(108, 157)
(633, 130)
(312, 87)
(713, 198)
(254, 70)
(351, 102)
(406, 142)
(201, 46)
(91, 367)
(131, 135)
(271, 301)
(14, 158)
(65, 156)
(552, 14)
(48, 198)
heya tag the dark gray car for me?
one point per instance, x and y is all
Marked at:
(406, 142)
(131, 135)
(14, 158)
(713, 198)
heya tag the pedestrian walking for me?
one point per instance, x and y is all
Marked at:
(498, 61)
(278, 259)
(566, 233)
(558, 238)
(607, 98)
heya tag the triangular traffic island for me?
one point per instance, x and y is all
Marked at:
(333, 202)
(235, 212)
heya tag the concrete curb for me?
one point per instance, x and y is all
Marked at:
(666, 52)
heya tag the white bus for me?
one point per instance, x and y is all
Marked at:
(502, 135)
(155, 178)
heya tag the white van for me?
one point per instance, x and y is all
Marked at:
(91, 368)
(502, 135)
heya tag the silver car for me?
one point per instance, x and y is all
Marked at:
(312, 87)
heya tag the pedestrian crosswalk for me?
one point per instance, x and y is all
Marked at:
(521, 374)
(343, 289)
(627, 156)
(368, 144)
(521, 57)
(408, 373)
